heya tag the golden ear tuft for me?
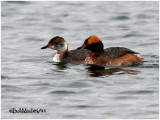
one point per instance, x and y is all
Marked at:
(94, 39)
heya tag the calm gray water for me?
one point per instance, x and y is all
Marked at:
(31, 80)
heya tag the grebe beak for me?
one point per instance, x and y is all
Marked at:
(46, 46)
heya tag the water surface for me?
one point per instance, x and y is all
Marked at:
(31, 80)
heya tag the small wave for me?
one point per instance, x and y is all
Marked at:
(33, 38)
(11, 88)
(40, 84)
(4, 77)
(150, 66)
(78, 85)
(155, 56)
(143, 16)
(6, 27)
(62, 92)
(138, 92)
(124, 97)
(86, 106)
(133, 35)
(120, 18)
(150, 61)
(70, 116)
(18, 2)
(151, 57)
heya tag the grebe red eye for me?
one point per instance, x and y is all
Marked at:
(51, 44)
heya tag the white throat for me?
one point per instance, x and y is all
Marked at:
(57, 58)
(61, 52)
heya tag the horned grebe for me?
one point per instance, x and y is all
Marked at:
(63, 55)
(113, 56)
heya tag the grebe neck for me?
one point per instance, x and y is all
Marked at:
(61, 53)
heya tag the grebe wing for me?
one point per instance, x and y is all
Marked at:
(78, 54)
(115, 52)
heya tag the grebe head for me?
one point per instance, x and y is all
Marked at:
(57, 43)
(93, 43)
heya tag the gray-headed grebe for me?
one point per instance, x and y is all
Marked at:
(76, 56)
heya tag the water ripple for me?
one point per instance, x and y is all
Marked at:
(120, 18)
(86, 106)
(63, 92)
(138, 92)
(18, 2)
(77, 91)
(11, 88)
(78, 85)
(4, 77)
(133, 35)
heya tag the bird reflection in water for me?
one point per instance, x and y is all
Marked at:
(97, 71)
(60, 65)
